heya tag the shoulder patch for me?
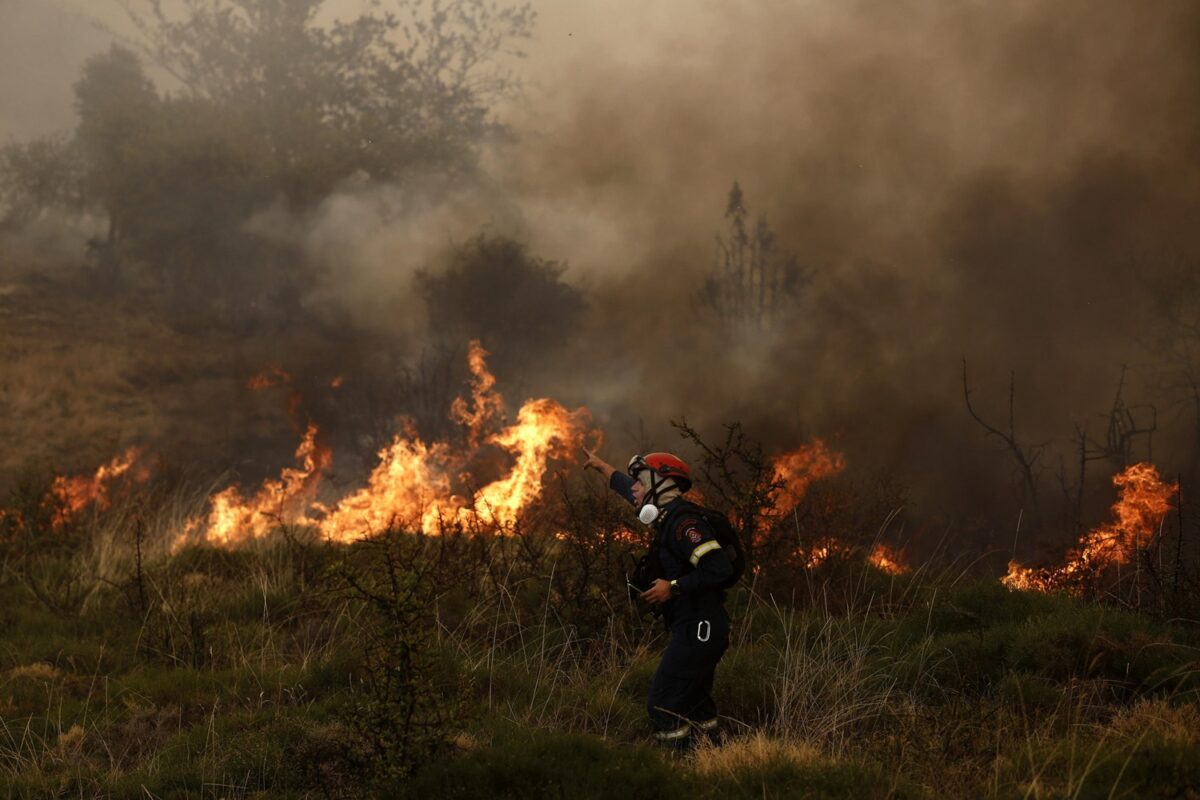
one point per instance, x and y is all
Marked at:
(689, 530)
(686, 530)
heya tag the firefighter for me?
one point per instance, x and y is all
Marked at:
(692, 569)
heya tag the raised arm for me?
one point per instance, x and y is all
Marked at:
(617, 480)
(599, 464)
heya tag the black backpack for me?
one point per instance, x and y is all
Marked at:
(727, 537)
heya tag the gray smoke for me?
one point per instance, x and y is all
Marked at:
(995, 181)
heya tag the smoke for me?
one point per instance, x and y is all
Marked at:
(989, 181)
(43, 44)
(994, 181)
(368, 241)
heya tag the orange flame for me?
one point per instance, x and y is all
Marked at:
(821, 552)
(233, 518)
(413, 484)
(818, 554)
(274, 375)
(73, 494)
(799, 469)
(1144, 501)
(887, 559)
(793, 473)
(487, 407)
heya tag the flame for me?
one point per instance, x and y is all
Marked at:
(1143, 502)
(487, 407)
(799, 469)
(817, 554)
(413, 483)
(274, 375)
(881, 556)
(232, 518)
(73, 494)
(793, 473)
(544, 430)
(337, 382)
(1029, 579)
(412, 480)
(887, 559)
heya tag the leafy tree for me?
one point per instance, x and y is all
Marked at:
(382, 94)
(273, 104)
(117, 105)
(752, 284)
(37, 177)
(176, 179)
(196, 181)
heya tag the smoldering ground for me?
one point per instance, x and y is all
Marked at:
(1012, 184)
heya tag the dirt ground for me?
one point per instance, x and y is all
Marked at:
(82, 379)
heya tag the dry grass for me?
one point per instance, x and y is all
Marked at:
(80, 381)
(39, 671)
(755, 752)
(1172, 721)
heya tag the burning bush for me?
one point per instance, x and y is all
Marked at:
(1139, 511)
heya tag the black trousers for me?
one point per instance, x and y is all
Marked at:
(681, 692)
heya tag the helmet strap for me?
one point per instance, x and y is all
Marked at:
(649, 511)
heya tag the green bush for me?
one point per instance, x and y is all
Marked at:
(980, 633)
(1029, 693)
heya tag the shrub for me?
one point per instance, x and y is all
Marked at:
(409, 693)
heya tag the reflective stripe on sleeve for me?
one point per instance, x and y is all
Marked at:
(702, 549)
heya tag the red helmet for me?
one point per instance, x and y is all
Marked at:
(664, 465)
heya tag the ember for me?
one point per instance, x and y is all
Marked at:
(888, 559)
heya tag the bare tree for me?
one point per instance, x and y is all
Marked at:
(740, 476)
(1125, 424)
(751, 283)
(1025, 457)
(1174, 341)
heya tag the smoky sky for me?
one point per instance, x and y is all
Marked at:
(989, 181)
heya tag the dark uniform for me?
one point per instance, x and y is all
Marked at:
(693, 560)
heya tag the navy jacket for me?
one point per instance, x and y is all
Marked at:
(689, 553)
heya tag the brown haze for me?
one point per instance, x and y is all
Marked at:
(993, 181)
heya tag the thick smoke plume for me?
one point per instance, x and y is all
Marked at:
(998, 182)
(1007, 183)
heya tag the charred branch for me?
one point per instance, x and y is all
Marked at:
(1025, 457)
